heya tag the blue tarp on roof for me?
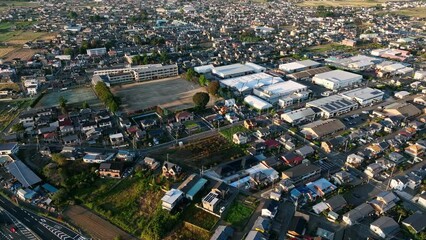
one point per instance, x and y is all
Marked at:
(49, 188)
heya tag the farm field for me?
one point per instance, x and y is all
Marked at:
(171, 93)
(204, 153)
(22, 53)
(94, 225)
(6, 50)
(330, 47)
(73, 96)
(21, 37)
(342, 3)
(413, 12)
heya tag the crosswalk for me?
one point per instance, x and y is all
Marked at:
(61, 235)
(21, 228)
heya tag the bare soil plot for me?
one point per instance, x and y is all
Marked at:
(23, 53)
(5, 50)
(94, 225)
(419, 12)
(171, 93)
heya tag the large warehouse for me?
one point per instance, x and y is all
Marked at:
(272, 93)
(364, 96)
(333, 106)
(299, 66)
(246, 84)
(337, 79)
(231, 71)
(257, 103)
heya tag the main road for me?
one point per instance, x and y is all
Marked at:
(43, 228)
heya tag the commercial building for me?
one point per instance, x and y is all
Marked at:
(392, 68)
(336, 79)
(394, 54)
(272, 93)
(359, 62)
(137, 73)
(246, 84)
(96, 52)
(299, 66)
(333, 105)
(257, 103)
(322, 128)
(22, 173)
(236, 70)
(402, 109)
(306, 74)
(364, 96)
(299, 116)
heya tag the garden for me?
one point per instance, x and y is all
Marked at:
(239, 214)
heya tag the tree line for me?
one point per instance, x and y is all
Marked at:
(105, 95)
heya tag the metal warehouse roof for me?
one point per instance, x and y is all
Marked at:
(22, 173)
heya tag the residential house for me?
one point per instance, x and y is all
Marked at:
(416, 222)
(292, 159)
(341, 178)
(354, 160)
(184, 116)
(71, 140)
(336, 203)
(218, 193)
(116, 139)
(262, 133)
(334, 144)
(255, 235)
(373, 170)
(151, 163)
(305, 151)
(384, 201)
(250, 124)
(384, 227)
(170, 169)
(414, 150)
(395, 157)
(171, 199)
(270, 209)
(98, 157)
(192, 185)
(302, 173)
(240, 138)
(399, 183)
(112, 169)
(357, 214)
(422, 199)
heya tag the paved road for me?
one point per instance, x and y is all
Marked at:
(12, 229)
(43, 227)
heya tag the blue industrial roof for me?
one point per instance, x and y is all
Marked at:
(196, 187)
(49, 188)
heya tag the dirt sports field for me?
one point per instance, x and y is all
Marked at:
(171, 93)
(97, 227)
(72, 95)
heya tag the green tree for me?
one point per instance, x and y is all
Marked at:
(201, 99)
(202, 80)
(85, 105)
(63, 104)
(19, 127)
(213, 87)
(68, 51)
(59, 159)
(60, 197)
(164, 57)
(190, 74)
(72, 15)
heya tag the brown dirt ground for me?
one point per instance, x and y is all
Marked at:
(94, 225)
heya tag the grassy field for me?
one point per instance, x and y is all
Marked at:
(200, 217)
(21, 36)
(73, 96)
(330, 47)
(10, 110)
(205, 152)
(5, 5)
(228, 133)
(12, 86)
(186, 231)
(239, 214)
(413, 12)
(342, 3)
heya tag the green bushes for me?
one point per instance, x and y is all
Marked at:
(105, 95)
(38, 98)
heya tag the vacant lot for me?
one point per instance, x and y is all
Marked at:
(5, 5)
(9, 110)
(343, 3)
(5, 50)
(331, 47)
(171, 93)
(94, 225)
(419, 12)
(73, 96)
(21, 37)
(239, 214)
(205, 152)
(22, 53)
